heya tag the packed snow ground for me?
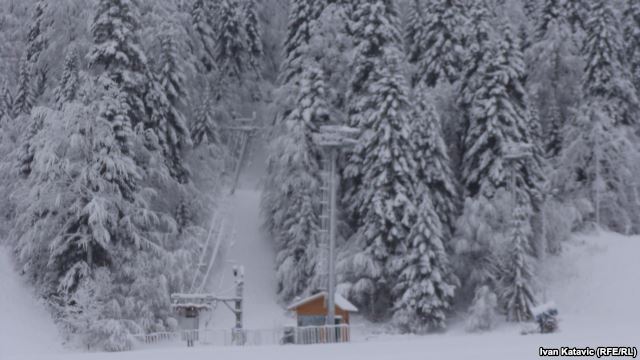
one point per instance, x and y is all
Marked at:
(26, 329)
(251, 250)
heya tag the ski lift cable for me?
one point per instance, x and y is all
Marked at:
(219, 217)
(232, 242)
(212, 260)
(214, 220)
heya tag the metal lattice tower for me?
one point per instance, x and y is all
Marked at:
(331, 138)
(325, 220)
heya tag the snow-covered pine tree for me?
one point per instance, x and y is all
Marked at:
(206, 123)
(231, 51)
(531, 10)
(294, 192)
(27, 152)
(442, 43)
(117, 52)
(125, 96)
(414, 31)
(500, 120)
(576, 12)
(384, 197)
(254, 35)
(40, 81)
(23, 106)
(36, 43)
(555, 73)
(331, 45)
(375, 30)
(478, 32)
(516, 286)
(302, 15)
(202, 17)
(6, 101)
(433, 160)
(173, 130)
(554, 140)
(109, 224)
(36, 38)
(69, 82)
(551, 11)
(23, 101)
(158, 129)
(632, 39)
(607, 75)
(424, 287)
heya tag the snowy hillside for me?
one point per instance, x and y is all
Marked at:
(596, 309)
(26, 329)
(598, 295)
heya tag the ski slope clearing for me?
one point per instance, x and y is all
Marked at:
(255, 254)
(596, 309)
(26, 329)
(249, 248)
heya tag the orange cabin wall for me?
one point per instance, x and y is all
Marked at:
(317, 307)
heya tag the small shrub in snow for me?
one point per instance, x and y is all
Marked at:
(560, 220)
(112, 335)
(482, 313)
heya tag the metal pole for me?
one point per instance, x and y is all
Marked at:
(331, 315)
(513, 187)
(543, 241)
(238, 272)
(243, 150)
(597, 179)
(246, 136)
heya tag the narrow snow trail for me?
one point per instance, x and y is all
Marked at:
(26, 328)
(252, 251)
(249, 248)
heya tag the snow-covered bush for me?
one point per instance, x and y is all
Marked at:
(112, 335)
(560, 220)
(493, 248)
(481, 241)
(483, 313)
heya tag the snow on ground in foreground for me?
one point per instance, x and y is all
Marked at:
(26, 329)
(597, 284)
(596, 288)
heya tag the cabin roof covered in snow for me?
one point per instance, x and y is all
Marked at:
(340, 302)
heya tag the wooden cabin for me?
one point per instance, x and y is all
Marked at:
(312, 311)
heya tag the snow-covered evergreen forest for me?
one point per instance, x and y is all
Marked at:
(488, 132)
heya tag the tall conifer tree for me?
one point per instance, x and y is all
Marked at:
(442, 43)
(607, 75)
